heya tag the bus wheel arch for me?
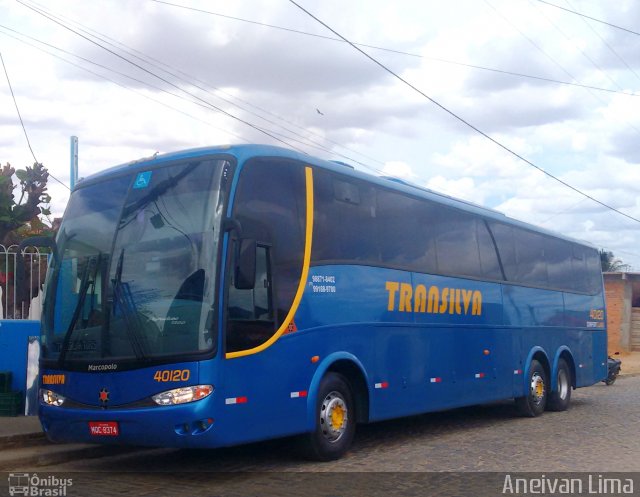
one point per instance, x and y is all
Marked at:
(358, 384)
(536, 385)
(353, 371)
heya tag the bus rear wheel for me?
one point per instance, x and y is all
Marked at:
(335, 419)
(560, 398)
(534, 403)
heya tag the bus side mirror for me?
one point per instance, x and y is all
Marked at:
(245, 270)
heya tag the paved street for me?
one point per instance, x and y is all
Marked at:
(597, 434)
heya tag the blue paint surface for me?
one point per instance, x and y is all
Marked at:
(14, 339)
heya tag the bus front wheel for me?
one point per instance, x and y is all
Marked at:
(335, 419)
(534, 403)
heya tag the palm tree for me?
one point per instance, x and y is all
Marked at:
(610, 263)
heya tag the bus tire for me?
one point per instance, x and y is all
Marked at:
(335, 420)
(534, 403)
(560, 398)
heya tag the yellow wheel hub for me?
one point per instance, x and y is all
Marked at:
(538, 388)
(334, 416)
(337, 417)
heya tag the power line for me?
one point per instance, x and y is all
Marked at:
(158, 64)
(208, 107)
(102, 76)
(462, 120)
(164, 80)
(530, 76)
(486, 136)
(24, 129)
(540, 49)
(400, 52)
(532, 42)
(606, 43)
(282, 28)
(269, 133)
(308, 143)
(589, 17)
(584, 54)
(563, 211)
(15, 102)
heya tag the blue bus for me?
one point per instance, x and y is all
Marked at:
(220, 296)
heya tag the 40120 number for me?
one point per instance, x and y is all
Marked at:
(167, 375)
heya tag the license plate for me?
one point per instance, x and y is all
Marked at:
(104, 428)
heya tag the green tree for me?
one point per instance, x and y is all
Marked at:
(610, 263)
(23, 214)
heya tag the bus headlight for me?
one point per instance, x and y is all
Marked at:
(182, 395)
(51, 398)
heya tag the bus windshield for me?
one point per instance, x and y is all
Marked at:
(134, 272)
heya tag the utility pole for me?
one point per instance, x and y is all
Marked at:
(74, 162)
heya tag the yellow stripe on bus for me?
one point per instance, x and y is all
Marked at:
(303, 278)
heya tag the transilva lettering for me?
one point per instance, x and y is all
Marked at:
(53, 379)
(405, 298)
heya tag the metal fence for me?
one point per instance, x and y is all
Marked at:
(35, 262)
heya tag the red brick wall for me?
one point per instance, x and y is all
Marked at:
(614, 296)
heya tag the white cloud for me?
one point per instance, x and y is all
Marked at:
(464, 188)
(587, 138)
(399, 169)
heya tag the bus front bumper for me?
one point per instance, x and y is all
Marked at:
(189, 425)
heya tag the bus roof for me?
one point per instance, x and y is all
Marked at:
(245, 152)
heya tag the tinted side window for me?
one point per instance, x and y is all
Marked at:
(586, 270)
(532, 268)
(488, 255)
(558, 256)
(579, 269)
(405, 231)
(594, 269)
(270, 206)
(345, 216)
(457, 244)
(505, 241)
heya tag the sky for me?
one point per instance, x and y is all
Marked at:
(131, 78)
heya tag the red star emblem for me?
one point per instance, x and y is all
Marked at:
(104, 395)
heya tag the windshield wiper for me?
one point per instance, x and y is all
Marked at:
(123, 297)
(90, 268)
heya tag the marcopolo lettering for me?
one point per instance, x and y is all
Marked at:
(403, 297)
(102, 367)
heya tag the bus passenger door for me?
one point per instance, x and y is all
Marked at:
(261, 367)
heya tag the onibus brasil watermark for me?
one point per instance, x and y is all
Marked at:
(33, 485)
(587, 484)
